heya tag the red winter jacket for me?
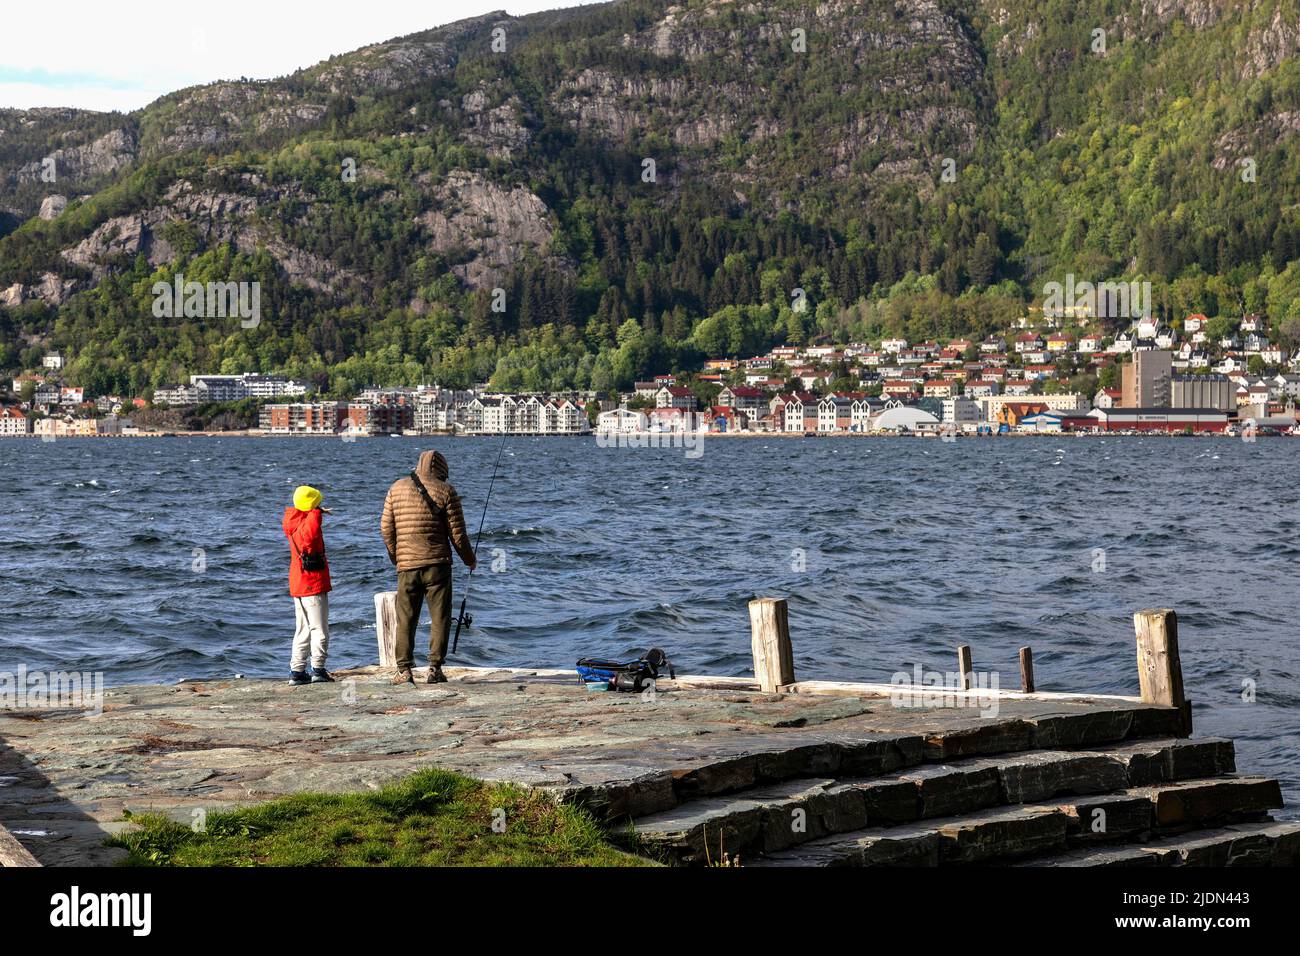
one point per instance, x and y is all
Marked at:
(302, 528)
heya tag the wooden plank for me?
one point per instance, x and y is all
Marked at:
(1026, 670)
(832, 688)
(1160, 669)
(769, 621)
(828, 688)
(964, 667)
(13, 853)
(386, 627)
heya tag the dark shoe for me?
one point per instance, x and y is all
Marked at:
(321, 676)
(435, 675)
(403, 676)
(298, 678)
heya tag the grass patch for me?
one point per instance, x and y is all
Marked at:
(432, 818)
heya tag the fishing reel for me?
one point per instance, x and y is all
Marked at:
(466, 619)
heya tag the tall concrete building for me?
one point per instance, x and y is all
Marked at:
(1148, 379)
(1203, 391)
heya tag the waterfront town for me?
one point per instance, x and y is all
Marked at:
(1041, 376)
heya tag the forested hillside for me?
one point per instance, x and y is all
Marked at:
(918, 167)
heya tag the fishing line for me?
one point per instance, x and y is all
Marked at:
(463, 619)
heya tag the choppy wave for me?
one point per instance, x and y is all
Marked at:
(152, 565)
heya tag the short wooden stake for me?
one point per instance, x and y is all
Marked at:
(769, 622)
(1160, 670)
(964, 667)
(1026, 670)
(386, 627)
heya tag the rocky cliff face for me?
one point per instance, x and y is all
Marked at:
(496, 227)
(827, 109)
(104, 156)
(219, 217)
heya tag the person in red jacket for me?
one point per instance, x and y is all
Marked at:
(309, 585)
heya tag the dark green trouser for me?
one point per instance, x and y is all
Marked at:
(433, 581)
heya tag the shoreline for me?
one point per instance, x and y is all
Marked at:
(666, 437)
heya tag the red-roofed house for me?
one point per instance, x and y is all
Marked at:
(746, 398)
(898, 388)
(1029, 342)
(675, 396)
(13, 422)
(938, 388)
(795, 412)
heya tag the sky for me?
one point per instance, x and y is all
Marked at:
(101, 55)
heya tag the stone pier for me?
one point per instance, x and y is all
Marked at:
(772, 770)
(699, 765)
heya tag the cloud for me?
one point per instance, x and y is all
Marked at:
(95, 55)
(27, 88)
(86, 96)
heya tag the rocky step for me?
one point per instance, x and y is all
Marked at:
(637, 791)
(777, 816)
(1004, 833)
(1269, 843)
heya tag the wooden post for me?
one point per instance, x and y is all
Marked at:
(386, 627)
(1160, 670)
(1026, 670)
(964, 666)
(769, 622)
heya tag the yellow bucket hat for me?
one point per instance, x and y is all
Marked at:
(305, 498)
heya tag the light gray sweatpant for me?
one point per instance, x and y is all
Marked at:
(311, 631)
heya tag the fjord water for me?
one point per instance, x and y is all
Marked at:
(154, 560)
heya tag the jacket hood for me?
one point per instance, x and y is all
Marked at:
(292, 518)
(432, 465)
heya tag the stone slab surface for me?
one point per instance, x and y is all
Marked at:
(1265, 843)
(66, 779)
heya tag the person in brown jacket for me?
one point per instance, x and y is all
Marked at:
(416, 532)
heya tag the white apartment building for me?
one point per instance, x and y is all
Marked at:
(794, 418)
(273, 386)
(568, 419)
(229, 388)
(524, 415)
(434, 415)
(962, 411)
(621, 421)
(175, 395)
(862, 412)
(13, 422)
(218, 388)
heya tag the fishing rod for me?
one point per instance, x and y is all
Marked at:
(463, 619)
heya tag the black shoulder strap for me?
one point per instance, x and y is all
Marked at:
(428, 499)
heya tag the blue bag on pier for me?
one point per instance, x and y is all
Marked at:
(625, 675)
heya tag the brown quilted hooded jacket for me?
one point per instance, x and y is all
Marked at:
(414, 536)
